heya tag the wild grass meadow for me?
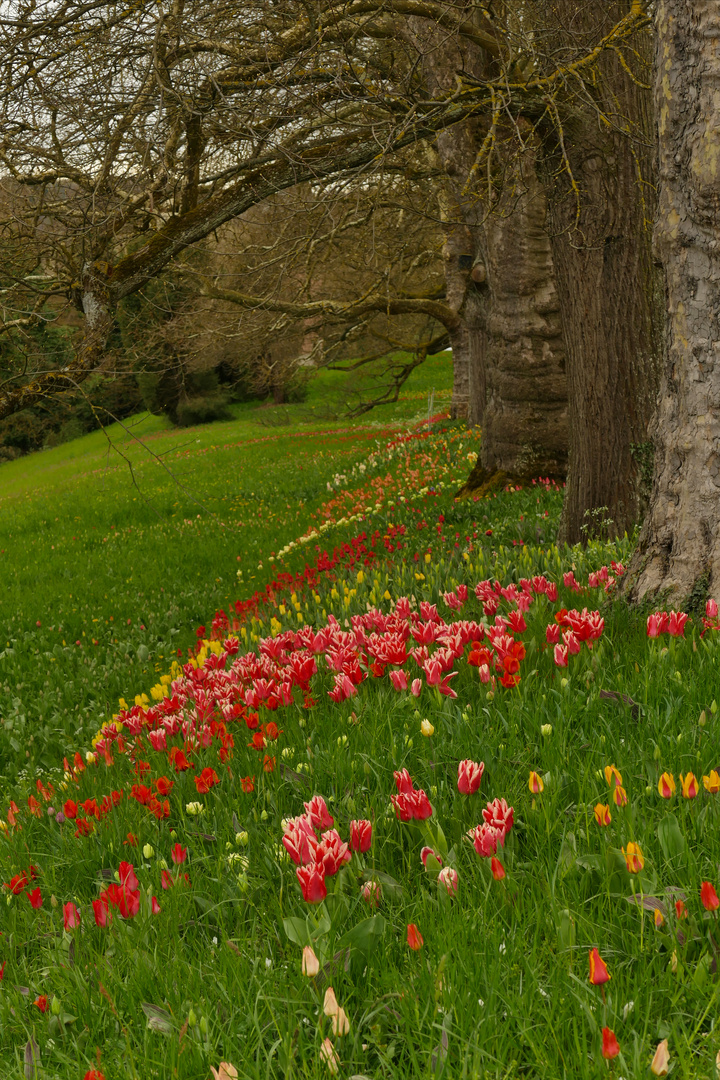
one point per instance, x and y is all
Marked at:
(309, 770)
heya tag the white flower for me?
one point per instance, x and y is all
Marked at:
(194, 808)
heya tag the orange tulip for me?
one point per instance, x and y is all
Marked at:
(712, 782)
(414, 937)
(602, 814)
(658, 917)
(497, 868)
(634, 858)
(619, 795)
(610, 1045)
(535, 783)
(689, 785)
(666, 785)
(612, 776)
(709, 897)
(599, 974)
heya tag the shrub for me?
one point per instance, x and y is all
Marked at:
(202, 410)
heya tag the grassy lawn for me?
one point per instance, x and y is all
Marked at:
(385, 795)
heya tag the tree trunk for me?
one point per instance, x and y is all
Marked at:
(525, 423)
(678, 554)
(507, 353)
(600, 202)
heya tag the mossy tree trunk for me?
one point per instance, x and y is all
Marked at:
(678, 555)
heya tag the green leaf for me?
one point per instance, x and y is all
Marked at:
(297, 931)
(670, 837)
(365, 936)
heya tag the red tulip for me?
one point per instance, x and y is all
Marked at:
(42, 1003)
(35, 898)
(71, 916)
(610, 1045)
(331, 852)
(154, 906)
(360, 835)
(709, 897)
(414, 937)
(101, 911)
(470, 774)
(178, 854)
(599, 974)
(318, 813)
(312, 882)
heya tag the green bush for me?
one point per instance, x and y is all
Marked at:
(202, 410)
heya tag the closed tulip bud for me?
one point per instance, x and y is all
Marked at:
(310, 962)
(619, 795)
(497, 869)
(599, 973)
(602, 814)
(689, 785)
(610, 1046)
(426, 728)
(612, 776)
(703, 719)
(535, 783)
(658, 918)
(242, 839)
(148, 851)
(330, 1057)
(203, 1025)
(340, 1022)
(634, 858)
(661, 1060)
(449, 878)
(709, 897)
(414, 937)
(666, 785)
(191, 1019)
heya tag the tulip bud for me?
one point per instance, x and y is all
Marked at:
(148, 851)
(56, 1006)
(713, 707)
(203, 1025)
(191, 1019)
(657, 753)
(264, 815)
(242, 839)
(703, 719)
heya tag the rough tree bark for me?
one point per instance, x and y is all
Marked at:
(525, 424)
(678, 554)
(508, 353)
(601, 202)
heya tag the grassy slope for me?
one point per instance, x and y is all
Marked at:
(501, 982)
(132, 539)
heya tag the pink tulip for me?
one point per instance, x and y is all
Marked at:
(711, 609)
(552, 634)
(427, 852)
(371, 893)
(416, 687)
(449, 878)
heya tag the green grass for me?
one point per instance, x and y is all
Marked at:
(500, 987)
